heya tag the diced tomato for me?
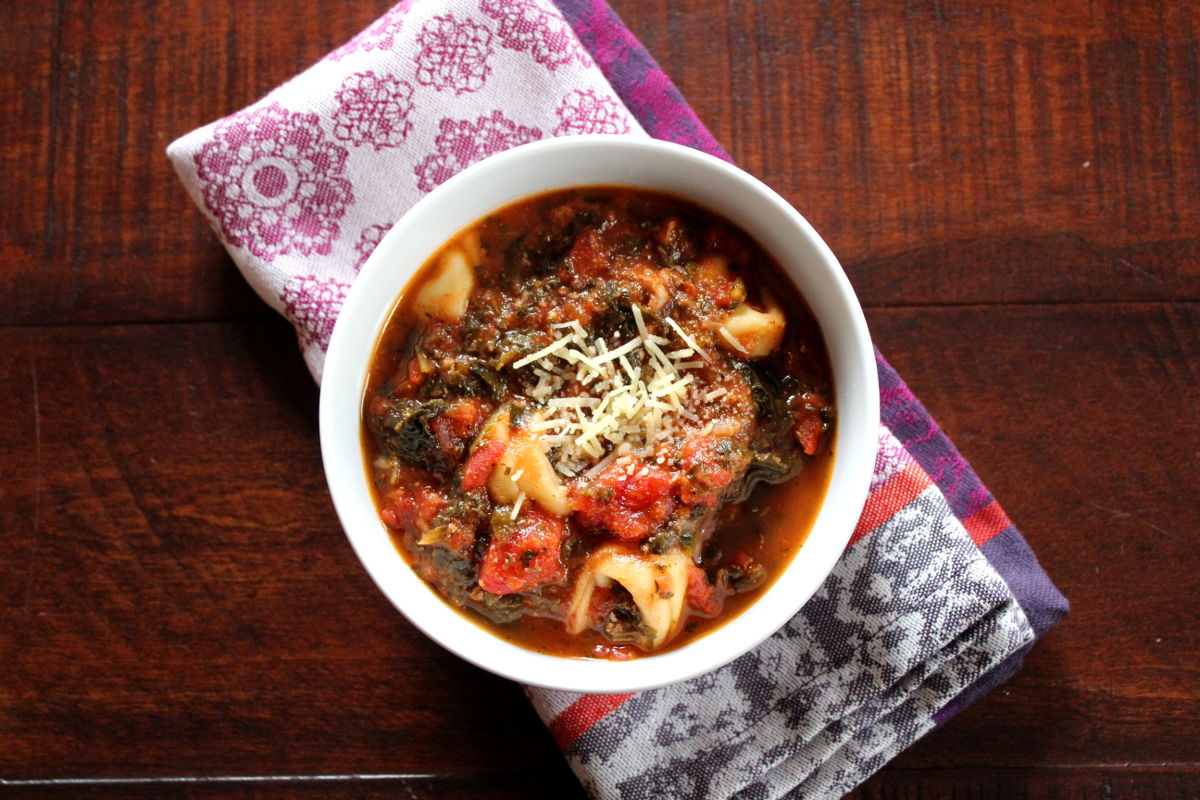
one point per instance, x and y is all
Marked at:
(646, 487)
(464, 414)
(408, 378)
(702, 596)
(808, 431)
(705, 477)
(415, 376)
(524, 556)
(718, 290)
(443, 430)
(406, 508)
(391, 516)
(481, 463)
(429, 502)
(616, 652)
(455, 426)
(459, 536)
(808, 425)
(628, 499)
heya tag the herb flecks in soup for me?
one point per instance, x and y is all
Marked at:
(599, 422)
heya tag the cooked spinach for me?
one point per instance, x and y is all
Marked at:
(617, 316)
(623, 623)
(516, 344)
(741, 579)
(468, 376)
(767, 390)
(404, 432)
(465, 509)
(539, 251)
(766, 466)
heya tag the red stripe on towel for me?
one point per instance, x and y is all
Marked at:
(986, 522)
(579, 717)
(897, 492)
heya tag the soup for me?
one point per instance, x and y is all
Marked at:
(599, 422)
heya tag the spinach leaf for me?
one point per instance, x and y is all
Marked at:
(404, 432)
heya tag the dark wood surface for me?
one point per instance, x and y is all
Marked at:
(1013, 187)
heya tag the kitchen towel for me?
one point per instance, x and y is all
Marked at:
(936, 599)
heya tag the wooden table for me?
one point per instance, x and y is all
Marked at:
(1012, 185)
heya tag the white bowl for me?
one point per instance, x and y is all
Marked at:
(581, 161)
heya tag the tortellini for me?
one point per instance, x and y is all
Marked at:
(525, 458)
(445, 297)
(657, 584)
(756, 333)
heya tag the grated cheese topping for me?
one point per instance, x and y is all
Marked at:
(729, 337)
(632, 396)
(516, 509)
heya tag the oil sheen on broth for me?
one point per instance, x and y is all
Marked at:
(599, 422)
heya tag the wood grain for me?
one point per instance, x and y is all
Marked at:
(504, 786)
(183, 591)
(950, 153)
(891, 784)
(935, 148)
(1014, 188)
(1046, 783)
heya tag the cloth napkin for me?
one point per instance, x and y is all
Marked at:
(937, 598)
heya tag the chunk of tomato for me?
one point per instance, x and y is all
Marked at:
(628, 500)
(702, 596)
(413, 377)
(807, 425)
(586, 260)
(525, 555)
(408, 508)
(481, 463)
(616, 652)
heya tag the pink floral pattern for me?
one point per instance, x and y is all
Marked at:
(461, 143)
(453, 54)
(373, 109)
(274, 183)
(368, 241)
(381, 35)
(584, 112)
(312, 304)
(525, 25)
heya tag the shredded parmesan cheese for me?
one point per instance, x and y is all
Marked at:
(729, 337)
(630, 397)
(541, 354)
(641, 323)
(689, 341)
